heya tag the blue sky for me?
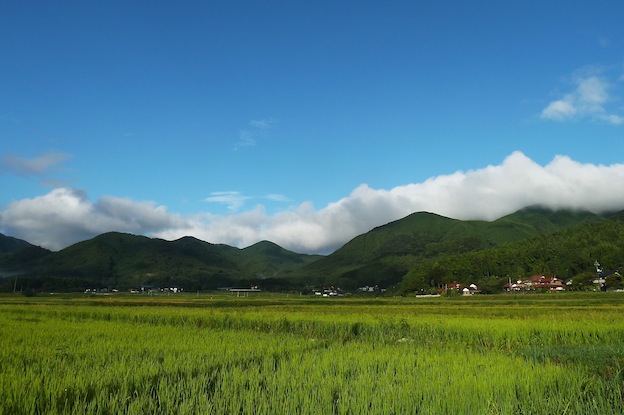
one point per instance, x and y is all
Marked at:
(305, 123)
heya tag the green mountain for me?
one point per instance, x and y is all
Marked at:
(418, 252)
(119, 260)
(15, 253)
(568, 253)
(386, 254)
(10, 244)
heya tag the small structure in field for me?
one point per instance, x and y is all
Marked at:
(245, 291)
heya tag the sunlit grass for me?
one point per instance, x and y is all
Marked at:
(503, 355)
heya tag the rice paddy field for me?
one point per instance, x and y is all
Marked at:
(210, 354)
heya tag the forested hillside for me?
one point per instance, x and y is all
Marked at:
(418, 253)
(385, 255)
(566, 254)
(123, 261)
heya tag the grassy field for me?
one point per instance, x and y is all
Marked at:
(218, 354)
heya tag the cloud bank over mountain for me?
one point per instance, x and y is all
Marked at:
(65, 215)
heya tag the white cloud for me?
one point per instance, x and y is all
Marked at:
(65, 216)
(588, 100)
(277, 197)
(263, 124)
(257, 129)
(234, 200)
(561, 109)
(613, 119)
(43, 164)
(246, 139)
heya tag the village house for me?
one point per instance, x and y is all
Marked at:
(538, 282)
(601, 276)
(459, 288)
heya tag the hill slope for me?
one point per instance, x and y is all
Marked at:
(568, 253)
(421, 249)
(10, 244)
(123, 261)
(385, 254)
(16, 253)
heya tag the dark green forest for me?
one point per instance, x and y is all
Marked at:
(568, 254)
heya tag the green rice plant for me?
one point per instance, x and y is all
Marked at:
(548, 355)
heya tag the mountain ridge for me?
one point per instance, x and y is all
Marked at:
(383, 256)
(386, 253)
(11, 244)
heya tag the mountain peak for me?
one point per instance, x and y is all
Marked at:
(11, 244)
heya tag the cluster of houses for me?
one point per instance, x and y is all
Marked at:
(154, 290)
(329, 292)
(100, 291)
(459, 288)
(541, 282)
(538, 282)
(372, 289)
(601, 276)
(143, 290)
